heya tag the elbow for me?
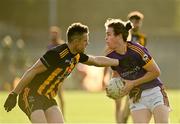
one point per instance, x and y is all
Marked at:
(31, 71)
(157, 73)
(98, 65)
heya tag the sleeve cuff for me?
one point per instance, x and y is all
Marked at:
(44, 62)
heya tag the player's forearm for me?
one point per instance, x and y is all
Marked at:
(26, 78)
(146, 78)
(102, 61)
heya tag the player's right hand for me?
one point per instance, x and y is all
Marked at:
(10, 101)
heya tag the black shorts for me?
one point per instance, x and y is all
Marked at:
(29, 102)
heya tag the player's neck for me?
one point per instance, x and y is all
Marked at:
(122, 49)
(71, 48)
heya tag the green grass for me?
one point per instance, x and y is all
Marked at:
(81, 106)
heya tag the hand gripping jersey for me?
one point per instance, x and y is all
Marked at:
(59, 62)
(132, 62)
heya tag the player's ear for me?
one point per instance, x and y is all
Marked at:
(75, 41)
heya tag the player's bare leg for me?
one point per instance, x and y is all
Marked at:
(38, 116)
(54, 115)
(61, 98)
(118, 111)
(141, 116)
(161, 114)
(126, 110)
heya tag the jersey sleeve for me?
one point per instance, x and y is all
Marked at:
(144, 56)
(50, 58)
(83, 58)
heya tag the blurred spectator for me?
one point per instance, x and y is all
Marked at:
(55, 37)
(136, 18)
(6, 66)
(19, 61)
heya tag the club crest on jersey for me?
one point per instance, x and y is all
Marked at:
(145, 57)
(67, 61)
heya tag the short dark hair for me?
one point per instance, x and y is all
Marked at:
(119, 27)
(135, 15)
(75, 30)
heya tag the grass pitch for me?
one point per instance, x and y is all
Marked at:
(86, 107)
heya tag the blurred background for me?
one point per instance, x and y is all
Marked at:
(24, 32)
(29, 21)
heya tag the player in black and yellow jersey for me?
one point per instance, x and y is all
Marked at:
(39, 84)
(136, 18)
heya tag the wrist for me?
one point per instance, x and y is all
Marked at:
(135, 84)
(14, 93)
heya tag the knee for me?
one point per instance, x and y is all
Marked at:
(162, 120)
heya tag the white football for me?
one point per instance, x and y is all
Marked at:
(114, 87)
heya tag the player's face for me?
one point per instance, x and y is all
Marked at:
(111, 40)
(54, 35)
(82, 43)
(137, 24)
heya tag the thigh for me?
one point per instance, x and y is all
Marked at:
(139, 111)
(141, 116)
(26, 104)
(61, 96)
(29, 102)
(160, 108)
(161, 114)
(38, 116)
(54, 115)
(118, 104)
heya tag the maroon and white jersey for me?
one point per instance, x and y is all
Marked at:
(132, 62)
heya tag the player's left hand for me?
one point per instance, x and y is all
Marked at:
(127, 87)
(10, 102)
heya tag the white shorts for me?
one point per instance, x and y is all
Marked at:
(150, 99)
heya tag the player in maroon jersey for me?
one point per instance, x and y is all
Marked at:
(136, 35)
(140, 73)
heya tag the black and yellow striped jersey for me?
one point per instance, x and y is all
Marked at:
(139, 38)
(59, 62)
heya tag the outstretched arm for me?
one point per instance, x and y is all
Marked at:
(101, 61)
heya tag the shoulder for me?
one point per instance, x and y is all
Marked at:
(62, 50)
(131, 44)
(82, 57)
(111, 54)
(137, 48)
(82, 54)
(140, 51)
